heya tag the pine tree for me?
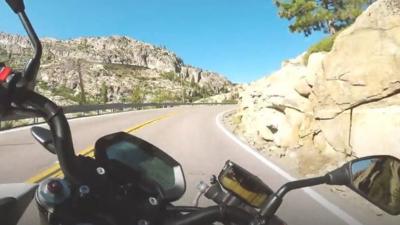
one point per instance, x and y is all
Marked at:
(329, 16)
(103, 93)
(82, 99)
(137, 95)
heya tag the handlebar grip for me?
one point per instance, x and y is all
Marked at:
(213, 214)
(4, 101)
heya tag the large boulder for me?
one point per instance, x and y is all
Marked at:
(274, 107)
(376, 130)
(338, 104)
(363, 65)
(359, 80)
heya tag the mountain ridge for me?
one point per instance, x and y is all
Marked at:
(117, 65)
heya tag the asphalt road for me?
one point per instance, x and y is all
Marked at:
(194, 136)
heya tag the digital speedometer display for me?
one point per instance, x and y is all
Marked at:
(128, 157)
(132, 155)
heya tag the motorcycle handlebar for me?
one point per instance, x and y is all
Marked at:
(213, 214)
(60, 129)
(32, 66)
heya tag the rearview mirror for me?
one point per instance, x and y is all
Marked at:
(377, 178)
(44, 137)
(16, 5)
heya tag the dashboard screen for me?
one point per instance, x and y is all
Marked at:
(136, 158)
(149, 161)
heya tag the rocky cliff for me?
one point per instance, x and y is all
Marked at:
(337, 104)
(112, 69)
(230, 97)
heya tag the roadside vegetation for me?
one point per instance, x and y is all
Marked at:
(160, 96)
(327, 16)
(230, 101)
(325, 45)
(62, 91)
(103, 98)
(170, 76)
(138, 95)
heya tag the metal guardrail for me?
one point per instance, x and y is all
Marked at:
(98, 108)
(91, 108)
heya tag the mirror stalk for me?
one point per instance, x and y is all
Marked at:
(340, 176)
(275, 200)
(32, 68)
(16, 5)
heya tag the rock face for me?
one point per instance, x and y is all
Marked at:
(346, 101)
(112, 69)
(230, 98)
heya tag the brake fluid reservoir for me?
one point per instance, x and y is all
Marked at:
(52, 192)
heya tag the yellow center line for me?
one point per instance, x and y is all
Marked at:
(55, 171)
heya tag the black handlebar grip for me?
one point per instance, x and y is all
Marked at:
(16, 5)
(213, 214)
(4, 101)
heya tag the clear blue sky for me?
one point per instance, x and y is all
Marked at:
(242, 39)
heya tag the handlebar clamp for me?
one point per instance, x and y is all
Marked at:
(8, 82)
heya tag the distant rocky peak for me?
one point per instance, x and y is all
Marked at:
(118, 63)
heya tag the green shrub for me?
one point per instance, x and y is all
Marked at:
(4, 56)
(236, 119)
(229, 101)
(138, 95)
(123, 70)
(325, 45)
(160, 96)
(170, 76)
(42, 85)
(7, 125)
(103, 93)
(67, 93)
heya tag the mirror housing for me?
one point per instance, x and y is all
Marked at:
(348, 175)
(16, 5)
(44, 137)
(375, 178)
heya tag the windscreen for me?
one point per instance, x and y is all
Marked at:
(136, 158)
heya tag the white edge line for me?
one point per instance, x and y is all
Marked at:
(313, 194)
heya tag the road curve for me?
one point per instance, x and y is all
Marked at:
(192, 136)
